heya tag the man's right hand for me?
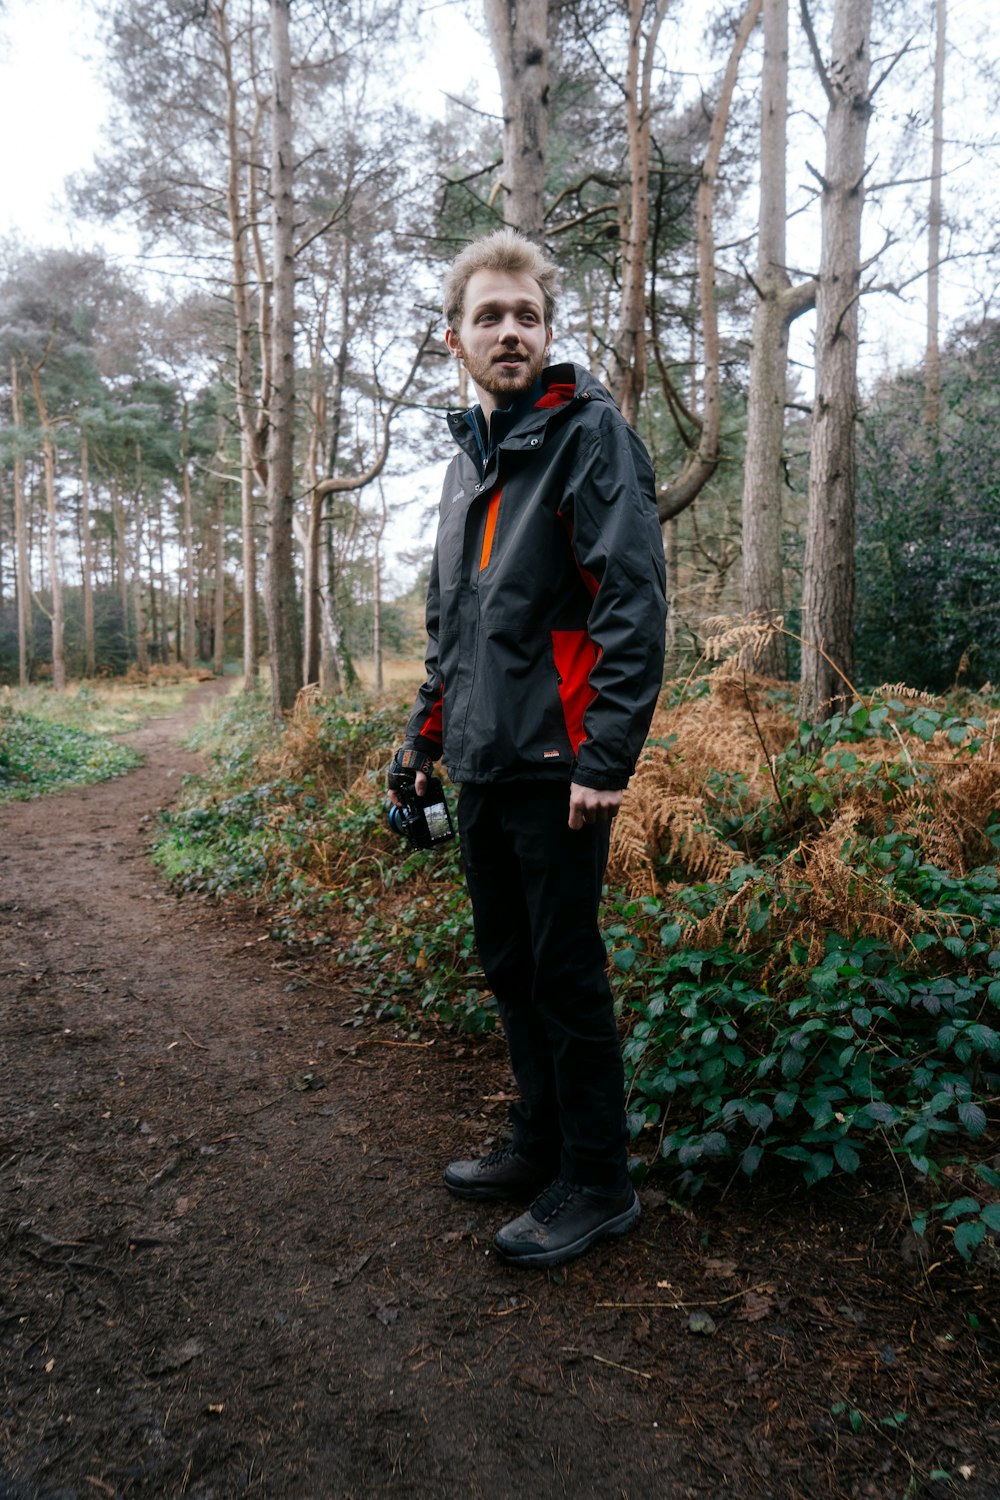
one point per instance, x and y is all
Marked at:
(408, 765)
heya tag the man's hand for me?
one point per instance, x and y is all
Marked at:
(403, 767)
(419, 786)
(587, 805)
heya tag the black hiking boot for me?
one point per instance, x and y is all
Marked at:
(501, 1174)
(563, 1221)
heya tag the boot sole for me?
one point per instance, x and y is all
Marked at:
(621, 1224)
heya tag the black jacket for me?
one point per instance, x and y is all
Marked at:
(545, 610)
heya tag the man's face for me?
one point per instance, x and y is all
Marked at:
(502, 338)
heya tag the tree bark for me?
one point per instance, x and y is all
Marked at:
(932, 358)
(89, 648)
(627, 371)
(219, 611)
(187, 646)
(702, 461)
(52, 538)
(20, 535)
(284, 651)
(778, 304)
(828, 581)
(243, 320)
(518, 31)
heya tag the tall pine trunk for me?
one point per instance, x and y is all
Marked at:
(932, 360)
(20, 534)
(243, 320)
(186, 646)
(89, 647)
(55, 576)
(284, 651)
(519, 38)
(828, 581)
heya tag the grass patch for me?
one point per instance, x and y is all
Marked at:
(37, 756)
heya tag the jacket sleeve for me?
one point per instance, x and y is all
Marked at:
(610, 508)
(426, 726)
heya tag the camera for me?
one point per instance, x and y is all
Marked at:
(423, 821)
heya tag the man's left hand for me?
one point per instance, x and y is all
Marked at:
(587, 805)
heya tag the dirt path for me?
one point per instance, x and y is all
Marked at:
(216, 1281)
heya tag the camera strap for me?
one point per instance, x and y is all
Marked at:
(407, 764)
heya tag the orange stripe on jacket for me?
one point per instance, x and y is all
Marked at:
(575, 656)
(491, 526)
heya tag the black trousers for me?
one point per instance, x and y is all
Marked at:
(535, 886)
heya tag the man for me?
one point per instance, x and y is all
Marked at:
(545, 618)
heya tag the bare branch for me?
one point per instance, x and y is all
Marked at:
(338, 485)
(820, 66)
(818, 176)
(906, 47)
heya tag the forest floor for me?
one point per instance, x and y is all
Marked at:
(230, 1268)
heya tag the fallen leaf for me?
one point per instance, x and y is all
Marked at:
(755, 1307)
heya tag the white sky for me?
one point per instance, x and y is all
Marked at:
(53, 106)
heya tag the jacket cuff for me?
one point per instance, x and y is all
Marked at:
(599, 781)
(426, 747)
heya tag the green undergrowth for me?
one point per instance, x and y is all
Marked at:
(765, 1023)
(39, 755)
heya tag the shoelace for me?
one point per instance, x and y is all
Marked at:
(497, 1156)
(553, 1199)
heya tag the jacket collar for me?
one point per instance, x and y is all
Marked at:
(529, 414)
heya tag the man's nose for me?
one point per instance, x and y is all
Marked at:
(509, 331)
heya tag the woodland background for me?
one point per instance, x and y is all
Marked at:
(210, 463)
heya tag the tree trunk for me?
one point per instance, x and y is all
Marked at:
(312, 537)
(932, 359)
(778, 304)
(89, 649)
(702, 462)
(55, 577)
(828, 581)
(284, 652)
(186, 647)
(243, 319)
(121, 560)
(519, 38)
(219, 613)
(138, 606)
(377, 665)
(20, 535)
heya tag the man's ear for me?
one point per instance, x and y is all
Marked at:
(454, 343)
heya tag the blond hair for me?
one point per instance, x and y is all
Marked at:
(504, 250)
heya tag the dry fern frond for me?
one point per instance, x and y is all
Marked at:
(652, 823)
(725, 635)
(904, 693)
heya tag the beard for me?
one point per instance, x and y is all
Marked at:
(504, 382)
